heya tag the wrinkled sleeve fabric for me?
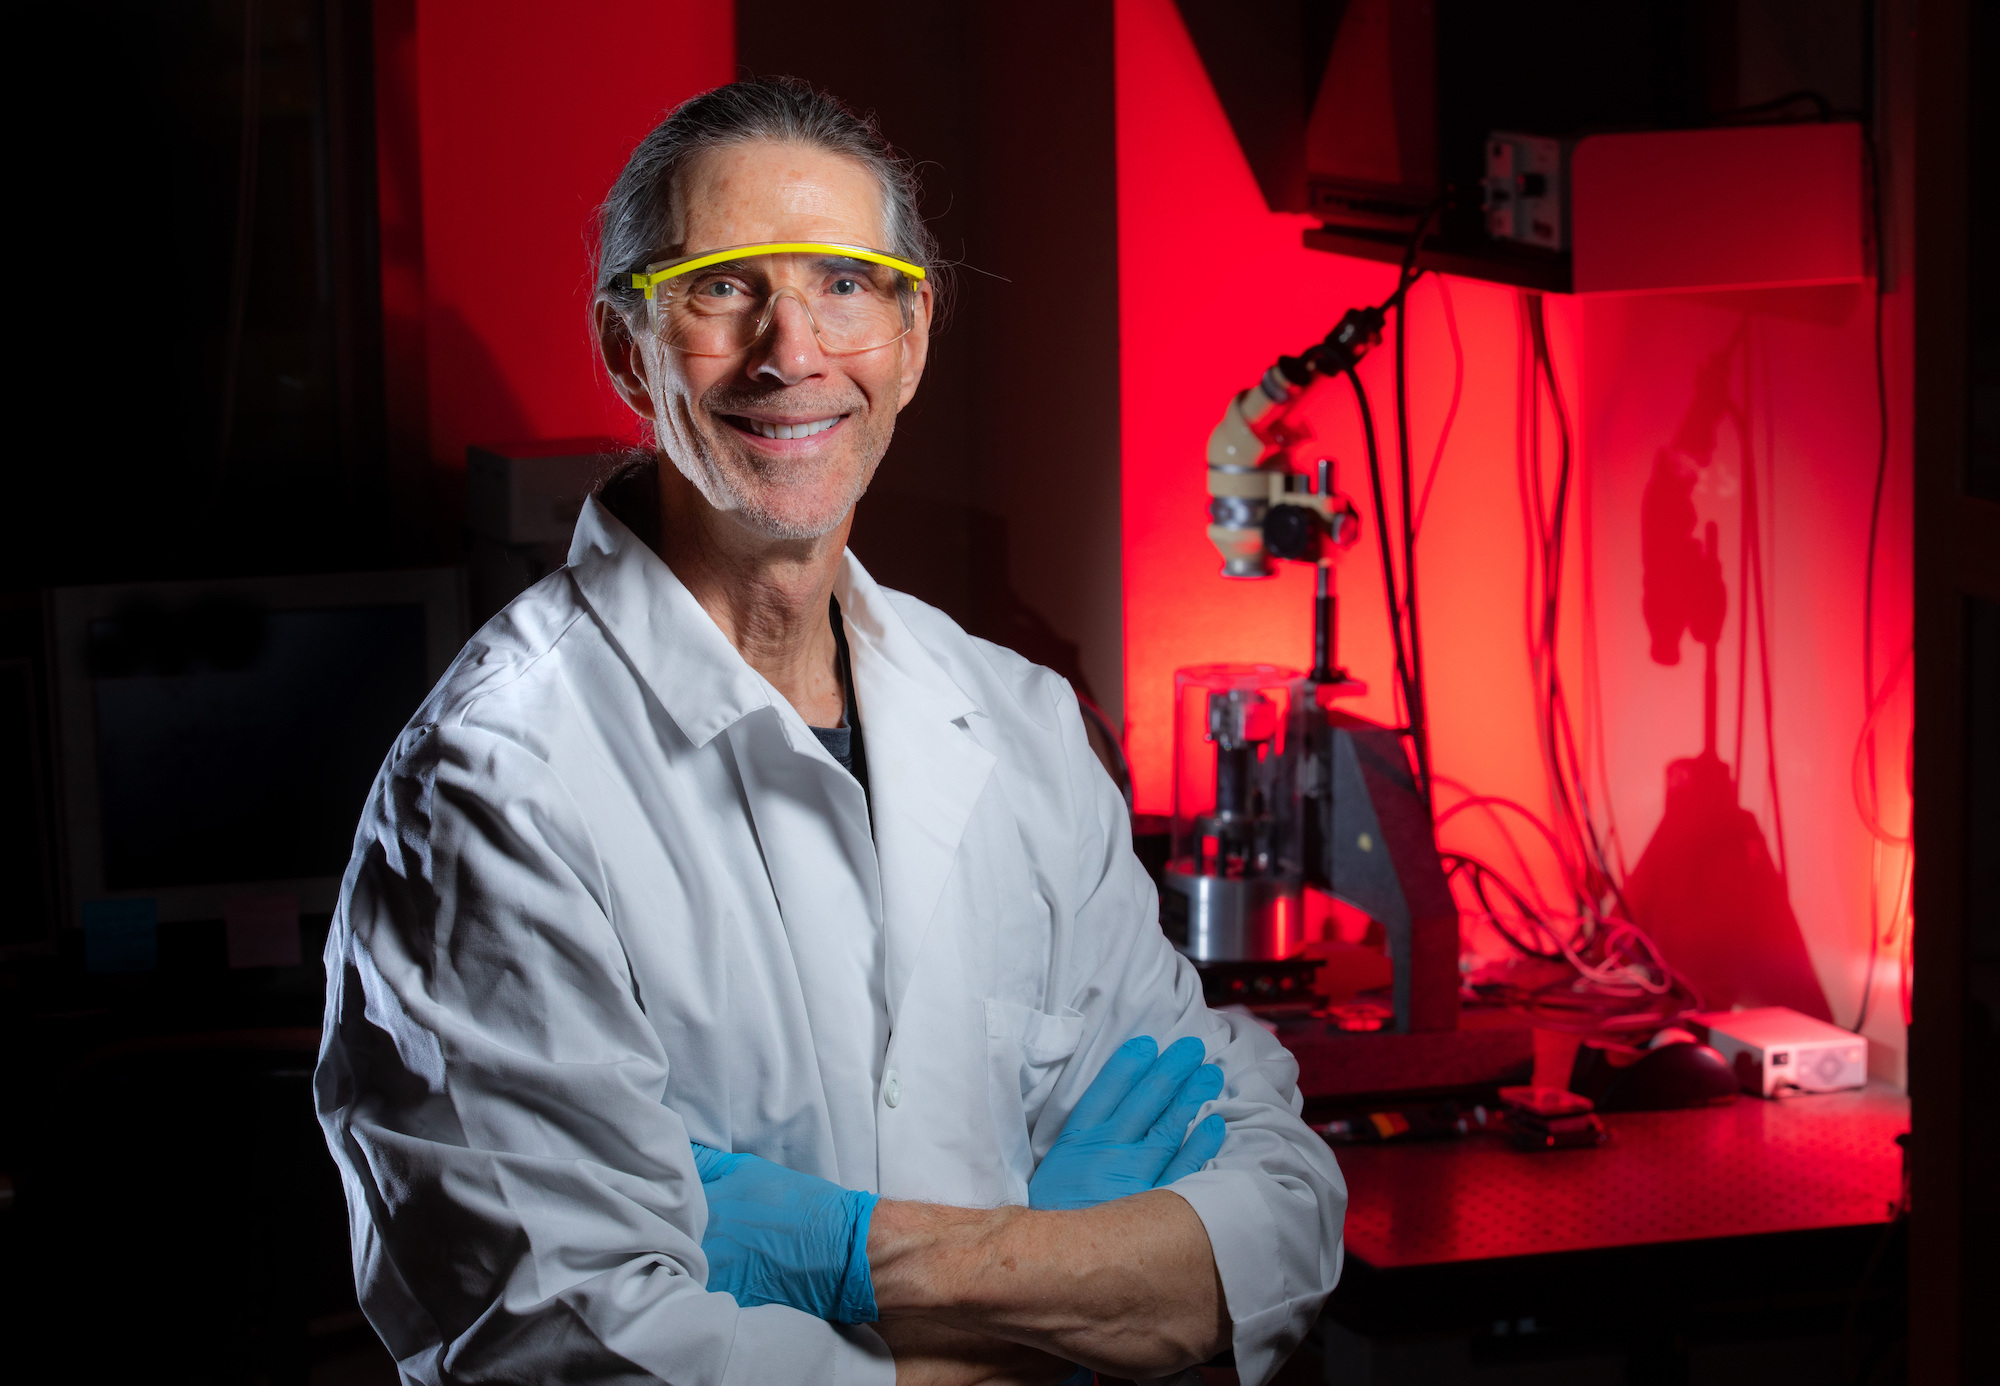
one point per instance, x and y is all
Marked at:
(1273, 1201)
(523, 1205)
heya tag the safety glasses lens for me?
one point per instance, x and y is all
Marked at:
(849, 305)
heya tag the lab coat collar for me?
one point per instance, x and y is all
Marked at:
(877, 632)
(701, 680)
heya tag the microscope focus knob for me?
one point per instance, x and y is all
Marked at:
(1294, 532)
(1343, 524)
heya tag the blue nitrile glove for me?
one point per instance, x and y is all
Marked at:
(776, 1236)
(1125, 1135)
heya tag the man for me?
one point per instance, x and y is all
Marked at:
(708, 844)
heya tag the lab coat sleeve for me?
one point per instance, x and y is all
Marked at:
(1273, 1200)
(523, 1205)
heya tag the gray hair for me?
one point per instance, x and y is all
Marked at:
(639, 219)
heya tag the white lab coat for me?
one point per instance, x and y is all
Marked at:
(609, 894)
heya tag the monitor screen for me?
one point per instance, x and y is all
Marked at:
(238, 744)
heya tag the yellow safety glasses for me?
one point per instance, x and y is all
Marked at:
(720, 302)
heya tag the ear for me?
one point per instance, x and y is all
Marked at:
(917, 345)
(624, 358)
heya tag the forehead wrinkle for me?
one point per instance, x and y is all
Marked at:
(803, 196)
(728, 200)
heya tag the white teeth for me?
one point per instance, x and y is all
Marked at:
(804, 430)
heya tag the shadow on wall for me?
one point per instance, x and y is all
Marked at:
(465, 372)
(483, 407)
(1706, 887)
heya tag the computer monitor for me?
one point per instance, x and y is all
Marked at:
(216, 740)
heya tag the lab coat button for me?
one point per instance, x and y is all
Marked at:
(892, 1088)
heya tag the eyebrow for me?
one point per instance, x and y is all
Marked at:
(823, 263)
(724, 266)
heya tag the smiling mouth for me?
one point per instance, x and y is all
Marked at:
(764, 428)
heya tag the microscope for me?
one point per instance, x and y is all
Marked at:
(1275, 789)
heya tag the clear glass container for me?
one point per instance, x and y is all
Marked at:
(1235, 877)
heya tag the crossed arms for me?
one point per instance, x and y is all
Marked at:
(1015, 1294)
(1104, 1268)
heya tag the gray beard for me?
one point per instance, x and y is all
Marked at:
(724, 489)
(748, 497)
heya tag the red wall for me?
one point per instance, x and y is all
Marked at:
(502, 125)
(1765, 404)
(1213, 286)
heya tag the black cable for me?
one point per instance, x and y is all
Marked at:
(1568, 790)
(1480, 873)
(1382, 532)
(1415, 699)
(1551, 529)
(1635, 1010)
(1451, 410)
(1409, 273)
(1542, 631)
(1408, 677)
(1551, 1005)
(1552, 573)
(1493, 918)
(1342, 349)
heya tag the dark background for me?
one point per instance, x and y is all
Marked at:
(198, 318)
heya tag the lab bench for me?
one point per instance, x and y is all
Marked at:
(1760, 1240)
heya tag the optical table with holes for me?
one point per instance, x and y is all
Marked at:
(1759, 1216)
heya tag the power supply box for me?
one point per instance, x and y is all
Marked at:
(1775, 1050)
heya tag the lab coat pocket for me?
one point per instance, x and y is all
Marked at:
(1026, 1050)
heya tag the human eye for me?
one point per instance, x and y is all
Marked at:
(850, 279)
(717, 291)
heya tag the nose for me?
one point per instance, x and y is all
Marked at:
(787, 347)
